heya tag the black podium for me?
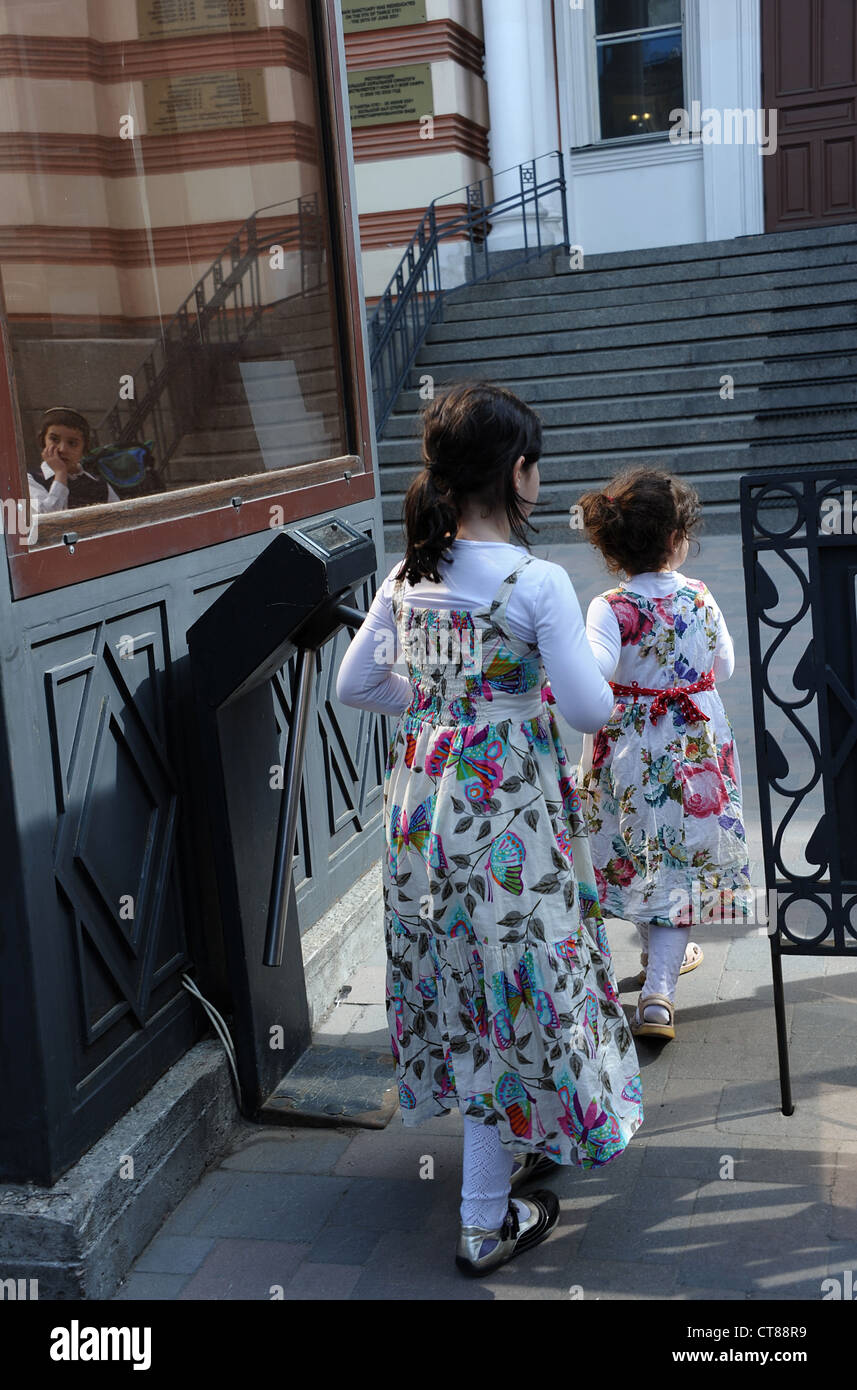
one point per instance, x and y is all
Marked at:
(290, 600)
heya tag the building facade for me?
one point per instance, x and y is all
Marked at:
(768, 139)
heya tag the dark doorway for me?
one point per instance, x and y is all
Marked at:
(809, 75)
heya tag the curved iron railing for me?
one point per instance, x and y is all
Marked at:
(224, 307)
(413, 300)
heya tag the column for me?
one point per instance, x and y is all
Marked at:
(519, 72)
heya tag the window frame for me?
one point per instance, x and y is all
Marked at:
(170, 524)
(627, 35)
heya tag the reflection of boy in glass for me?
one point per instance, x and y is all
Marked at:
(60, 482)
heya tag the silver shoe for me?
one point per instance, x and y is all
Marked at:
(513, 1237)
(529, 1166)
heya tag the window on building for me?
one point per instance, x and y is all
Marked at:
(639, 53)
(172, 296)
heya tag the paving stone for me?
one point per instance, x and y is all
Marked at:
(844, 1203)
(369, 1027)
(597, 1280)
(210, 1189)
(649, 1223)
(384, 1204)
(173, 1255)
(726, 1061)
(288, 1151)
(756, 1236)
(400, 1154)
(344, 1245)
(368, 985)
(685, 1114)
(672, 1161)
(821, 1115)
(150, 1288)
(420, 1265)
(273, 1206)
(322, 1281)
(245, 1269)
(839, 966)
(751, 953)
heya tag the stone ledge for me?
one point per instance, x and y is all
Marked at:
(341, 940)
(80, 1237)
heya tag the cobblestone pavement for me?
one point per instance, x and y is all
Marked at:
(718, 1196)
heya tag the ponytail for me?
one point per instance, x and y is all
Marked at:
(431, 521)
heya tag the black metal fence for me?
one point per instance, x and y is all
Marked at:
(800, 561)
(413, 300)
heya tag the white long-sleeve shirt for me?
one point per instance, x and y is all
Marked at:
(542, 608)
(605, 637)
(53, 497)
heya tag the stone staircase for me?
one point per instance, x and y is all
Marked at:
(274, 399)
(624, 362)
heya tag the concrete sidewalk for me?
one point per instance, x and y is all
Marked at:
(718, 1196)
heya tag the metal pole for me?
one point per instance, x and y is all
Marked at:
(282, 876)
(782, 1033)
(565, 231)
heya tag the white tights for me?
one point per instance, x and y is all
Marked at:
(487, 1172)
(666, 947)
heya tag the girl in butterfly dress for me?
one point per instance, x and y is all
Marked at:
(501, 996)
(661, 782)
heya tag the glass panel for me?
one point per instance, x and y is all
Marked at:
(618, 16)
(169, 282)
(639, 83)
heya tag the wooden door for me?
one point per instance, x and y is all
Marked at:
(809, 75)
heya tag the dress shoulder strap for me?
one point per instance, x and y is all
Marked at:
(504, 593)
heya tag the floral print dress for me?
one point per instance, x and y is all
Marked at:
(662, 801)
(501, 996)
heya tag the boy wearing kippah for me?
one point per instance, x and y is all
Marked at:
(60, 482)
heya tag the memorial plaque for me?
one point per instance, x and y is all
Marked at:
(205, 101)
(358, 16)
(171, 19)
(383, 95)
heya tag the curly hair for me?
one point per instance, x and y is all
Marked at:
(473, 435)
(632, 520)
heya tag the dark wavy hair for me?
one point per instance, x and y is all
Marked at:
(473, 435)
(632, 519)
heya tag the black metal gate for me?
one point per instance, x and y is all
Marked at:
(799, 532)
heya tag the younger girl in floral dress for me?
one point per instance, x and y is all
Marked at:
(660, 782)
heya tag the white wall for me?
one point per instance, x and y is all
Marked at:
(635, 194)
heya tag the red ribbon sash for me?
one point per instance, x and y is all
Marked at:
(671, 694)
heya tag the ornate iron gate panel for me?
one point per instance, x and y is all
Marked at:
(799, 534)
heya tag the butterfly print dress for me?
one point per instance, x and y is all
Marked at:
(501, 996)
(662, 801)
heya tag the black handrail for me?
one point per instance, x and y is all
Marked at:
(224, 306)
(413, 300)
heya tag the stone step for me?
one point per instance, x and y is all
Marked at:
(585, 292)
(668, 405)
(654, 383)
(275, 385)
(277, 410)
(449, 362)
(246, 439)
(679, 317)
(555, 277)
(728, 461)
(680, 436)
(765, 244)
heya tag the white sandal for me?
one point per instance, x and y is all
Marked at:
(640, 1025)
(686, 966)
